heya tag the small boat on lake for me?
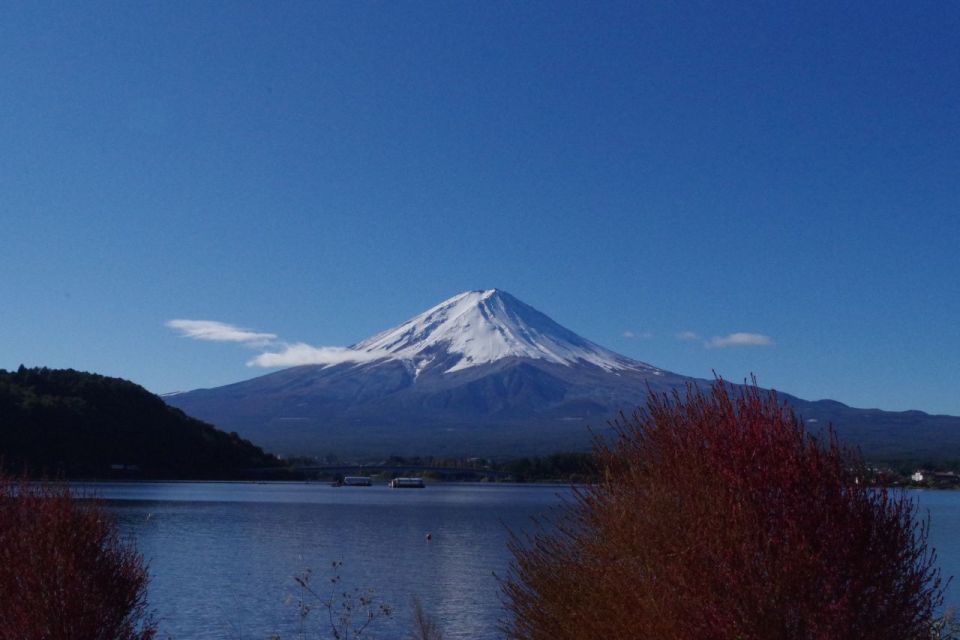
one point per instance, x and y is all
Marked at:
(407, 483)
(356, 481)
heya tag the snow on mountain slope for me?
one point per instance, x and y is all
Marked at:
(485, 326)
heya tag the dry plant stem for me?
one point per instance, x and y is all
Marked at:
(343, 607)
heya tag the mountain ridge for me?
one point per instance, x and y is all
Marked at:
(484, 373)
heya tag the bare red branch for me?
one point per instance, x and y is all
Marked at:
(65, 574)
(719, 517)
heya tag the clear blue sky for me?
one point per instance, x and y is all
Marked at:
(322, 171)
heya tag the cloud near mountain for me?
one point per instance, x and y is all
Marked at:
(300, 353)
(739, 340)
(280, 353)
(214, 331)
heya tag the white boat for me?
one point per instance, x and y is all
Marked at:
(356, 481)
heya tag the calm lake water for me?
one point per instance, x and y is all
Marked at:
(223, 555)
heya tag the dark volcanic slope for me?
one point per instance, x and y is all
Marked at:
(485, 374)
(513, 404)
(79, 424)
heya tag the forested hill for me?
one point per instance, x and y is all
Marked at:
(75, 424)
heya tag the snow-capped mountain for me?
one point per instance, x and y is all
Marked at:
(482, 373)
(479, 327)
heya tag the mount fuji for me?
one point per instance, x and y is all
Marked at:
(483, 373)
(480, 327)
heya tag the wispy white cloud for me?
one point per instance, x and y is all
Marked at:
(276, 352)
(739, 340)
(637, 335)
(220, 332)
(687, 336)
(300, 353)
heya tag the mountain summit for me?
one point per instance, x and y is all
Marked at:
(479, 327)
(482, 373)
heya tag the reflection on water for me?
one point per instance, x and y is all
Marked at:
(223, 555)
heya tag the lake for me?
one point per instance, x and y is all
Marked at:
(223, 555)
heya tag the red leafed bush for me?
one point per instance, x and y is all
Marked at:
(64, 572)
(719, 517)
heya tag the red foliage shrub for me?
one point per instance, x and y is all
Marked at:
(719, 517)
(64, 572)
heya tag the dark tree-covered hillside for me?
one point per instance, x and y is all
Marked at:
(76, 424)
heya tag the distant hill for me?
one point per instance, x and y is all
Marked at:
(485, 374)
(75, 424)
